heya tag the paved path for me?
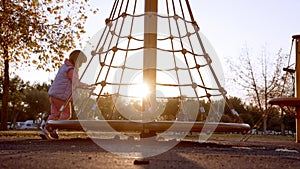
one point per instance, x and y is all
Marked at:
(84, 153)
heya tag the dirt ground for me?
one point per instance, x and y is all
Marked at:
(33, 152)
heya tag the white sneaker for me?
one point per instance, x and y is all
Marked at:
(54, 134)
(45, 134)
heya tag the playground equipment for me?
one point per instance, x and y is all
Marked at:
(141, 63)
(288, 103)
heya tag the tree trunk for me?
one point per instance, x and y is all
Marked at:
(14, 118)
(282, 126)
(5, 92)
(265, 119)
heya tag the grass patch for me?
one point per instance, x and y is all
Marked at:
(10, 134)
(272, 138)
(238, 137)
(19, 134)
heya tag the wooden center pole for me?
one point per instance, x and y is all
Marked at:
(297, 117)
(150, 45)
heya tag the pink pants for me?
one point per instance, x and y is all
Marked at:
(55, 107)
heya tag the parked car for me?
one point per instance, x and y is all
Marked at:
(17, 125)
(29, 124)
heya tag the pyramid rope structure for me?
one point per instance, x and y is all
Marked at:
(159, 47)
(118, 51)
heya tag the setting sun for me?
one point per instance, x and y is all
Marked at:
(139, 90)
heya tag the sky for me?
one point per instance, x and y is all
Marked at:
(229, 25)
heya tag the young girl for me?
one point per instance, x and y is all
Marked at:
(61, 90)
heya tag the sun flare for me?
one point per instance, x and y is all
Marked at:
(139, 90)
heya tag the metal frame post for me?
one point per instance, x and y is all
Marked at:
(297, 117)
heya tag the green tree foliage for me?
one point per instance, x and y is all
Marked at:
(106, 106)
(26, 101)
(289, 122)
(239, 106)
(37, 33)
(252, 115)
(171, 110)
(16, 104)
(37, 101)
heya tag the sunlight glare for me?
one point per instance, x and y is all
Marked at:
(139, 90)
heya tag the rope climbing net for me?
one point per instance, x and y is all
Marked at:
(141, 61)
